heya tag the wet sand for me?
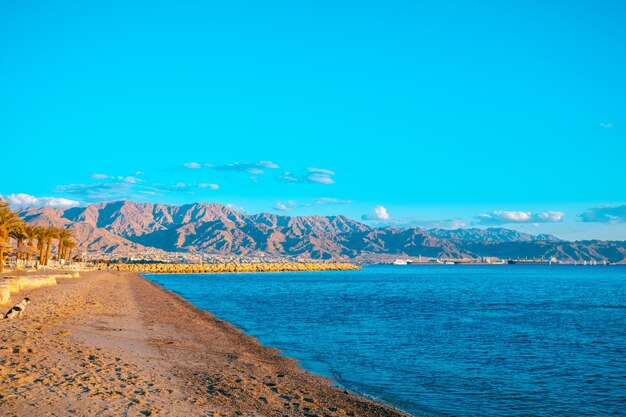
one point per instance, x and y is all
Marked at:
(115, 344)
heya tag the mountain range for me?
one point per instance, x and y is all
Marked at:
(124, 228)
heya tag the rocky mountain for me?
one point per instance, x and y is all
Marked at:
(90, 237)
(123, 227)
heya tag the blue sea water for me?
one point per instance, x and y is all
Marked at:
(519, 340)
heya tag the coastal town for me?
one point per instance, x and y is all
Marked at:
(495, 261)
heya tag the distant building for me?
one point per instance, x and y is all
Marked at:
(491, 260)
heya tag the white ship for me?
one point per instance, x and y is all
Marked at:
(400, 262)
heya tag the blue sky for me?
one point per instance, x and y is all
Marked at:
(431, 114)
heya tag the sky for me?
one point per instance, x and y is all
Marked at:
(404, 113)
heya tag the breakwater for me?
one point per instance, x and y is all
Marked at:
(234, 267)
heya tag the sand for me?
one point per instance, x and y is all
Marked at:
(115, 344)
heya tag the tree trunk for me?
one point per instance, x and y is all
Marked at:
(31, 244)
(19, 256)
(41, 251)
(1, 259)
(48, 249)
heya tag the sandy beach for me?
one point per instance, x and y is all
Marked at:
(113, 344)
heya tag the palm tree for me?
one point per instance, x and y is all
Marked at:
(17, 233)
(52, 233)
(11, 225)
(41, 238)
(31, 235)
(63, 248)
(69, 246)
(44, 237)
(63, 236)
(10, 222)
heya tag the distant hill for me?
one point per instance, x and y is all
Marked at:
(124, 228)
(490, 235)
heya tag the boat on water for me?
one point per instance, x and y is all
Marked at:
(400, 262)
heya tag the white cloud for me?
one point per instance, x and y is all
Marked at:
(250, 167)
(287, 176)
(285, 206)
(605, 214)
(27, 200)
(209, 186)
(453, 224)
(408, 222)
(504, 217)
(330, 201)
(129, 180)
(321, 171)
(182, 187)
(192, 165)
(512, 216)
(606, 125)
(267, 164)
(378, 213)
(236, 207)
(317, 175)
(320, 175)
(321, 179)
(549, 216)
(98, 192)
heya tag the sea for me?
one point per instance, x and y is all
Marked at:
(441, 340)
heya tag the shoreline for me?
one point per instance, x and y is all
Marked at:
(116, 343)
(228, 326)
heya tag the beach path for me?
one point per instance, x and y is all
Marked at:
(114, 344)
